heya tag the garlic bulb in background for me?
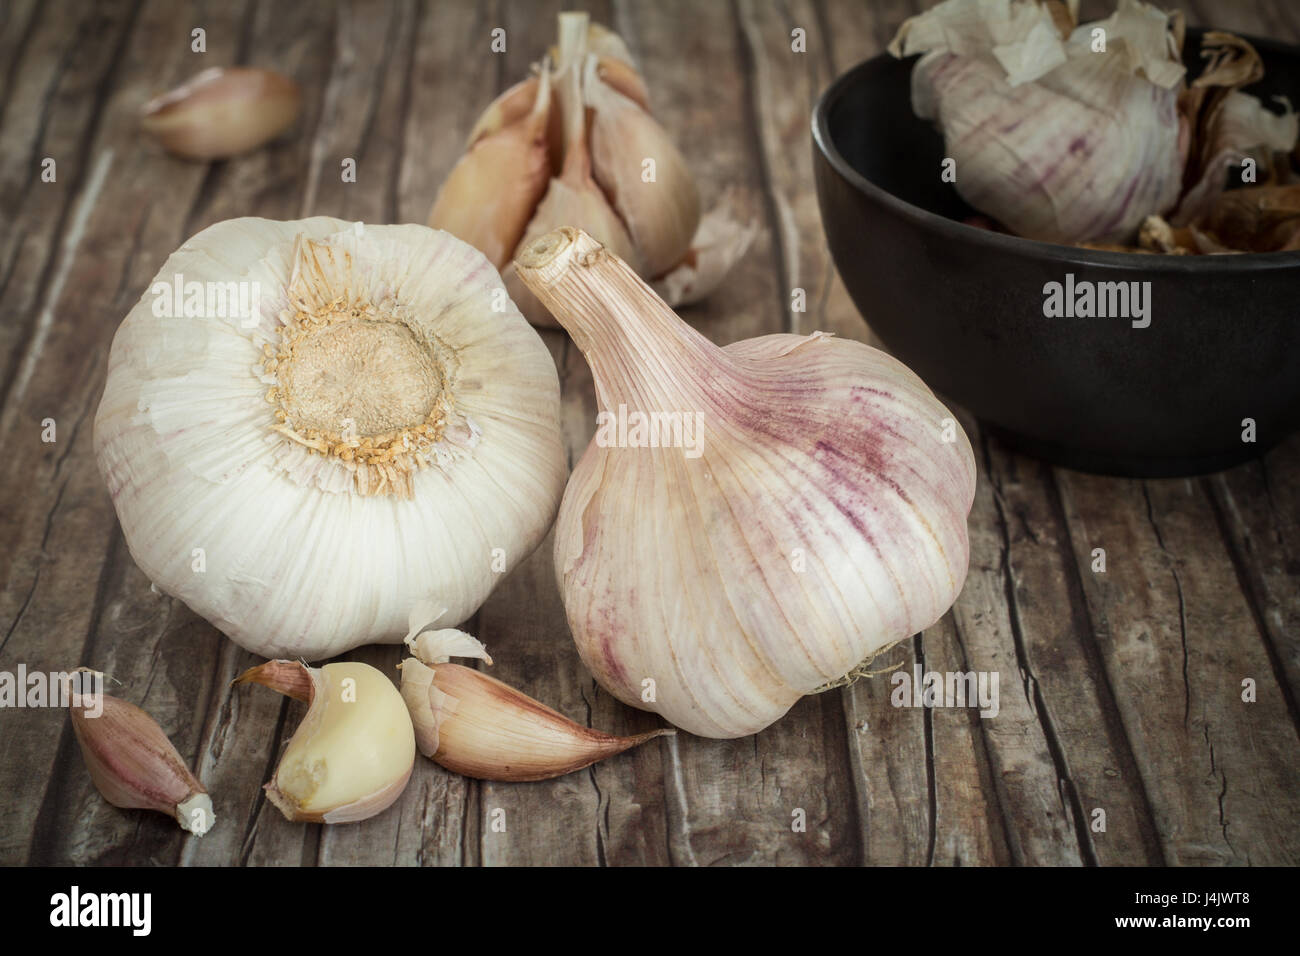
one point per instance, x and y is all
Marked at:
(750, 522)
(1055, 140)
(308, 427)
(617, 174)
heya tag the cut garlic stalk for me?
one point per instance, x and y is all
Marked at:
(491, 192)
(133, 764)
(353, 753)
(635, 161)
(807, 510)
(475, 725)
(222, 112)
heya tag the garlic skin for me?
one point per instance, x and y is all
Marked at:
(1057, 142)
(222, 112)
(823, 519)
(379, 431)
(477, 726)
(135, 766)
(352, 755)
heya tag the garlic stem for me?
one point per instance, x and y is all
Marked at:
(640, 352)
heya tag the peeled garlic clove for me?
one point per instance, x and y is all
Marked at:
(635, 162)
(477, 726)
(132, 762)
(353, 753)
(489, 195)
(222, 112)
(750, 523)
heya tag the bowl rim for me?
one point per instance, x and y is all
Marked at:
(960, 231)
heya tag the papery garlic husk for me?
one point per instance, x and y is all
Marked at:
(380, 427)
(131, 761)
(1054, 140)
(222, 112)
(808, 511)
(352, 755)
(489, 195)
(475, 725)
(1227, 126)
(661, 214)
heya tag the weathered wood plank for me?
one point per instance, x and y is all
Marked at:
(1177, 639)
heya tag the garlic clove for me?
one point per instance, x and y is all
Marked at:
(574, 199)
(222, 112)
(635, 162)
(478, 726)
(489, 195)
(512, 107)
(625, 79)
(352, 755)
(131, 761)
(808, 509)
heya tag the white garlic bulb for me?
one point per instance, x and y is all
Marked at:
(309, 427)
(749, 523)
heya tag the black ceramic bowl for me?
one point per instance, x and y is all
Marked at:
(964, 306)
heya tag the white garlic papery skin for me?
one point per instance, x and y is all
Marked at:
(379, 428)
(816, 516)
(1058, 141)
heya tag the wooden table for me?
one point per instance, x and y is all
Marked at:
(1120, 691)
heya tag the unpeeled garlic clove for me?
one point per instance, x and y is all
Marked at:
(661, 211)
(222, 112)
(490, 194)
(573, 199)
(133, 764)
(353, 753)
(475, 725)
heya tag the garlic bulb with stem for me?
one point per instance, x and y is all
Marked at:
(131, 761)
(376, 426)
(352, 755)
(475, 725)
(762, 518)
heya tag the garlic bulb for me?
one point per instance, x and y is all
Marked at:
(617, 173)
(133, 764)
(352, 755)
(372, 426)
(222, 112)
(1057, 139)
(749, 523)
(475, 725)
